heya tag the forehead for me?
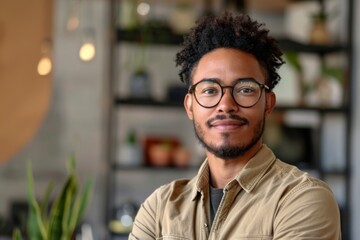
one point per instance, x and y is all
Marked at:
(227, 65)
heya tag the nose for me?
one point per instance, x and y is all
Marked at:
(227, 103)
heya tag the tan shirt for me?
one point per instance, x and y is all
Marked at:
(268, 199)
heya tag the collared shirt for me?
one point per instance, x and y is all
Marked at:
(268, 199)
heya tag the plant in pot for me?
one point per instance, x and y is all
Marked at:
(319, 33)
(294, 60)
(65, 213)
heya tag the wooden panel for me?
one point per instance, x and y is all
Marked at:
(24, 95)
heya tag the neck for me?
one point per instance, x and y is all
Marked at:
(222, 171)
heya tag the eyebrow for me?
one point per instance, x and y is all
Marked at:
(233, 82)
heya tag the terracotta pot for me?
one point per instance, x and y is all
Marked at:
(181, 157)
(160, 155)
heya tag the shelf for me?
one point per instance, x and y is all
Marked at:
(149, 102)
(312, 109)
(291, 45)
(164, 35)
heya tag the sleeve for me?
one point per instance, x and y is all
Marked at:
(308, 212)
(144, 226)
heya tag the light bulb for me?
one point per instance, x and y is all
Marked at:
(87, 51)
(44, 66)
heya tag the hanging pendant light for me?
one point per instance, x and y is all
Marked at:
(44, 66)
(87, 50)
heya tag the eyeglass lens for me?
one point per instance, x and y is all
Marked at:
(246, 93)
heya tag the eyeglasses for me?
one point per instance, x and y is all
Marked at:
(246, 92)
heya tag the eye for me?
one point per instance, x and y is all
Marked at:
(208, 88)
(246, 90)
(209, 91)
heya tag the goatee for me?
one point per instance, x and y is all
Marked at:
(226, 150)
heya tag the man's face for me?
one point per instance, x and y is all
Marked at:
(229, 130)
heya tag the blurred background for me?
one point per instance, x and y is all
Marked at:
(97, 78)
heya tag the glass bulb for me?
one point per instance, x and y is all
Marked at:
(44, 66)
(87, 51)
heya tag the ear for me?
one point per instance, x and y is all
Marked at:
(188, 105)
(270, 103)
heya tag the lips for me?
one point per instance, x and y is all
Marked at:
(227, 122)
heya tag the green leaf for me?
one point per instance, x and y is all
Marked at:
(16, 234)
(44, 207)
(57, 212)
(68, 208)
(293, 59)
(81, 204)
(72, 165)
(334, 72)
(35, 226)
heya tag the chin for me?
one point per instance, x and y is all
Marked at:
(227, 152)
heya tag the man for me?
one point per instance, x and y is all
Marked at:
(242, 191)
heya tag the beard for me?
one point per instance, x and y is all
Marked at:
(226, 150)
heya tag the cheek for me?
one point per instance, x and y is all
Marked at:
(255, 114)
(200, 115)
(197, 114)
(255, 117)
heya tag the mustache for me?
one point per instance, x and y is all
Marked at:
(224, 117)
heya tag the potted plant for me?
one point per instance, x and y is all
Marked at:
(319, 33)
(65, 213)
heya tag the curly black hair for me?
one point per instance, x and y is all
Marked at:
(230, 31)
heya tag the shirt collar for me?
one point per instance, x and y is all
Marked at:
(255, 169)
(203, 178)
(247, 178)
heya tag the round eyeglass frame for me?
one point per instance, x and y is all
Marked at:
(261, 86)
